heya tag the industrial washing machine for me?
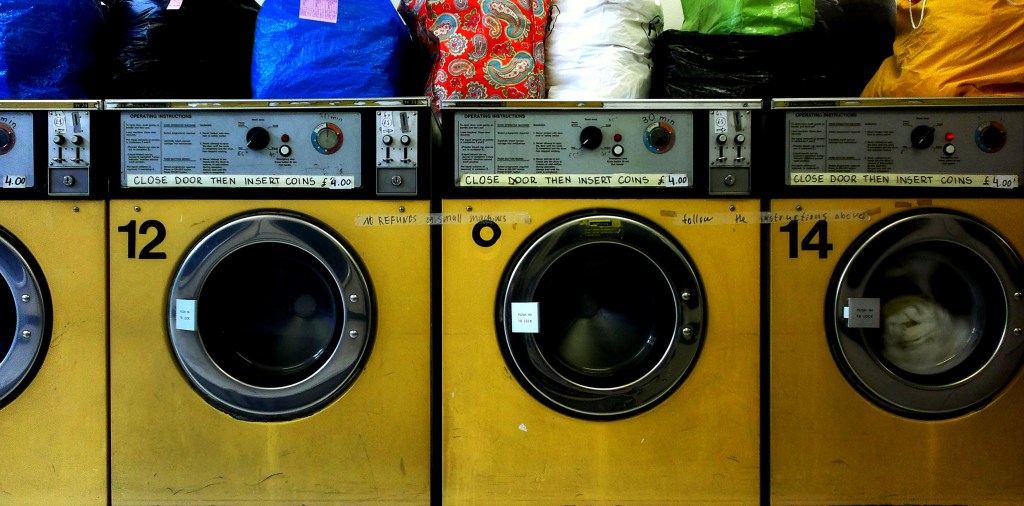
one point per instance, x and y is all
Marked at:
(270, 322)
(599, 302)
(900, 219)
(53, 305)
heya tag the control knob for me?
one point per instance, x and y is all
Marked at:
(257, 138)
(922, 137)
(591, 137)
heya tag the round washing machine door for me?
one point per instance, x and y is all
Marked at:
(600, 315)
(271, 316)
(924, 314)
(24, 318)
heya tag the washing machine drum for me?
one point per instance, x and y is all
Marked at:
(271, 316)
(24, 318)
(600, 315)
(925, 314)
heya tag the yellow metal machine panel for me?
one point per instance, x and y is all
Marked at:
(502, 446)
(54, 440)
(830, 445)
(169, 446)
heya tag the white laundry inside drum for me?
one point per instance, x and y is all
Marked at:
(922, 337)
(927, 325)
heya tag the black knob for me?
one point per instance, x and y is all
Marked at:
(5, 139)
(922, 137)
(257, 138)
(659, 137)
(591, 137)
(991, 138)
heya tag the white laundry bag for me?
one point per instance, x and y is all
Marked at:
(600, 49)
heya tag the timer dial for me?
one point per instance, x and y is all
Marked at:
(990, 136)
(6, 138)
(659, 137)
(327, 138)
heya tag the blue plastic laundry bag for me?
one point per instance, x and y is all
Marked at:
(364, 53)
(48, 48)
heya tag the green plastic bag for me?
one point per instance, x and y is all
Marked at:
(752, 17)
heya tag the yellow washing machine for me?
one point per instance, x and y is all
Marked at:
(901, 220)
(53, 305)
(599, 303)
(270, 321)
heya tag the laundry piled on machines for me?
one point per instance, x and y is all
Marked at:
(506, 49)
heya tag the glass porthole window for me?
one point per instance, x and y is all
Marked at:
(601, 315)
(271, 316)
(922, 314)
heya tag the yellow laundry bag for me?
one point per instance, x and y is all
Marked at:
(951, 48)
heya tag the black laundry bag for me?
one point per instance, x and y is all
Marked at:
(837, 58)
(803, 64)
(202, 50)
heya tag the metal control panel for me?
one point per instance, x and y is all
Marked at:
(70, 152)
(730, 135)
(939, 143)
(66, 154)
(606, 144)
(250, 144)
(398, 150)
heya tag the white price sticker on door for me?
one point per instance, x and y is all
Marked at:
(525, 318)
(185, 314)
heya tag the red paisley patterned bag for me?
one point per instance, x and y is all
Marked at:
(483, 48)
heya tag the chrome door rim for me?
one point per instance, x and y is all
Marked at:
(31, 321)
(351, 346)
(662, 374)
(968, 385)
